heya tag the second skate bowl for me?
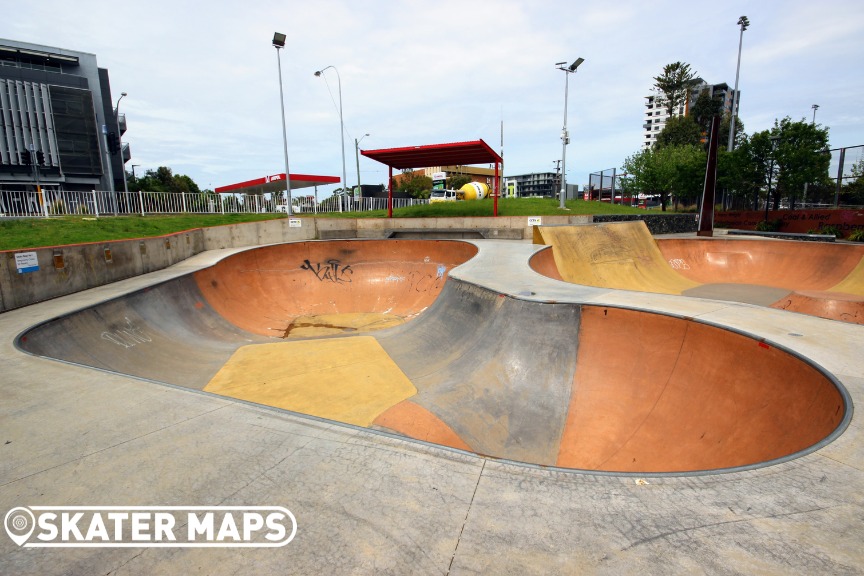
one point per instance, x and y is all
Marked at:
(815, 278)
(454, 363)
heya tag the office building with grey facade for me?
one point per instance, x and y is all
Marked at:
(58, 127)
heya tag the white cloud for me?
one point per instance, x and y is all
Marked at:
(204, 94)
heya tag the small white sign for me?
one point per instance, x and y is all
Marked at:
(26, 262)
(295, 223)
(535, 221)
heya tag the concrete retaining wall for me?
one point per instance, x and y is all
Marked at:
(72, 268)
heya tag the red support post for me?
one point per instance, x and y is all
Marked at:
(390, 192)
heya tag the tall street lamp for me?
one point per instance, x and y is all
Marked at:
(744, 23)
(357, 159)
(565, 137)
(815, 107)
(123, 157)
(341, 127)
(279, 43)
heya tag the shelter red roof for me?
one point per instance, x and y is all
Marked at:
(276, 183)
(455, 153)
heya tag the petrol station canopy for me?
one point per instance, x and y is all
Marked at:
(276, 183)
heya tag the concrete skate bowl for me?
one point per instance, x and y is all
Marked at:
(183, 331)
(549, 384)
(819, 279)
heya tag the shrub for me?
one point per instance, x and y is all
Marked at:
(829, 229)
(857, 235)
(769, 225)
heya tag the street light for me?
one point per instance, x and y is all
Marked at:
(815, 107)
(279, 43)
(744, 23)
(123, 158)
(565, 137)
(357, 159)
(319, 73)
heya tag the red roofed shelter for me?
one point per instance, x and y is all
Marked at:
(276, 183)
(456, 153)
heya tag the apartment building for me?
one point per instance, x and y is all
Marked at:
(656, 113)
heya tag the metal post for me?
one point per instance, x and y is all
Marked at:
(744, 23)
(341, 129)
(839, 178)
(278, 43)
(565, 136)
(122, 158)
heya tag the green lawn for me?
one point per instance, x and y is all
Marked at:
(36, 232)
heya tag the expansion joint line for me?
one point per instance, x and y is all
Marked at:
(467, 513)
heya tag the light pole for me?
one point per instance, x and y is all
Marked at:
(565, 137)
(319, 73)
(123, 158)
(357, 159)
(278, 43)
(744, 23)
(815, 107)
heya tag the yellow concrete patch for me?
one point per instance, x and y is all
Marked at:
(854, 282)
(327, 324)
(350, 380)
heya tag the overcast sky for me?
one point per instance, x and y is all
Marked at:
(203, 88)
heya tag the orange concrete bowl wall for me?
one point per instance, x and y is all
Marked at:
(655, 393)
(264, 290)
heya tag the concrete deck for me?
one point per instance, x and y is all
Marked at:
(368, 503)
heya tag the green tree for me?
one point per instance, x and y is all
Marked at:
(163, 179)
(675, 84)
(704, 109)
(760, 163)
(724, 131)
(688, 172)
(647, 174)
(800, 158)
(679, 131)
(456, 181)
(853, 192)
(415, 184)
(739, 174)
(676, 171)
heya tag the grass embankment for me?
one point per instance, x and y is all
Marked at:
(36, 232)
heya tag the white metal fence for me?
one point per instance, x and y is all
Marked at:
(19, 204)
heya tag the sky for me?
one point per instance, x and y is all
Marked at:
(203, 80)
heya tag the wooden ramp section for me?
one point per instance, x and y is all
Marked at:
(622, 255)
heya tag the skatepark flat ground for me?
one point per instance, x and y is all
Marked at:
(369, 503)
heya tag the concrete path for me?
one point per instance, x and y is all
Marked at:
(367, 503)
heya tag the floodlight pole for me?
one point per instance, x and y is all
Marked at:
(565, 137)
(341, 128)
(744, 23)
(279, 43)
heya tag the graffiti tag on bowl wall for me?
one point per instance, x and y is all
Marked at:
(127, 336)
(331, 270)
